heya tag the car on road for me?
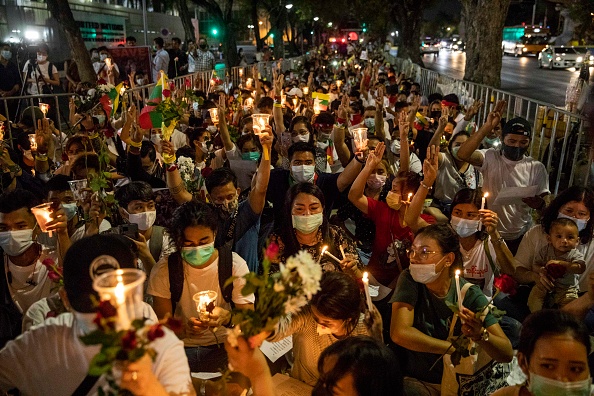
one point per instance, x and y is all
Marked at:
(560, 57)
(458, 45)
(430, 47)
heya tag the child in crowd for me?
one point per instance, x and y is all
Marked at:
(562, 263)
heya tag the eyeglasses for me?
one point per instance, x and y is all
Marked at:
(422, 254)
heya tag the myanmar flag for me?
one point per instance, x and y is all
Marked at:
(321, 101)
(148, 117)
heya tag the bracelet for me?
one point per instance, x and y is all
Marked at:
(278, 105)
(135, 144)
(177, 189)
(499, 240)
(172, 168)
(424, 185)
(359, 161)
(339, 126)
(94, 135)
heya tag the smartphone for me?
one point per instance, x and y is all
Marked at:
(129, 230)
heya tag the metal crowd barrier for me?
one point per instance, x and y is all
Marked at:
(560, 137)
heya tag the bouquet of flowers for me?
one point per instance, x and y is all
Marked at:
(191, 176)
(278, 294)
(123, 345)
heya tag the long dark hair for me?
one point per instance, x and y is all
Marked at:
(573, 193)
(474, 197)
(284, 228)
(447, 239)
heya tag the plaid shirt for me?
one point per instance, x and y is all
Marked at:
(204, 60)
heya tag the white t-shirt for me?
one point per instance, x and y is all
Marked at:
(196, 280)
(79, 233)
(179, 139)
(499, 172)
(44, 68)
(535, 240)
(449, 179)
(477, 266)
(414, 164)
(51, 359)
(29, 284)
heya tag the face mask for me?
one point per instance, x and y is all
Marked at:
(6, 55)
(139, 81)
(322, 145)
(155, 48)
(435, 114)
(94, 56)
(464, 228)
(303, 173)
(424, 273)
(323, 330)
(203, 46)
(14, 243)
(308, 223)
(492, 143)
(144, 220)
(156, 138)
(370, 124)
(581, 224)
(393, 200)
(376, 181)
(455, 151)
(301, 138)
(102, 57)
(27, 154)
(543, 386)
(235, 96)
(204, 147)
(212, 129)
(197, 255)
(395, 147)
(229, 206)
(324, 137)
(513, 153)
(251, 156)
(100, 118)
(41, 58)
(71, 209)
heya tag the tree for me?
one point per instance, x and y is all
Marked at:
(409, 15)
(484, 20)
(223, 17)
(186, 19)
(60, 10)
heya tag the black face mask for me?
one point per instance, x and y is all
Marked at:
(436, 114)
(513, 153)
(203, 46)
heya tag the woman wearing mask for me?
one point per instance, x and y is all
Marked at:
(336, 312)
(420, 314)
(303, 226)
(453, 174)
(553, 354)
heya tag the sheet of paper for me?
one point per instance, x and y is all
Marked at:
(378, 292)
(244, 170)
(287, 386)
(206, 376)
(514, 195)
(274, 350)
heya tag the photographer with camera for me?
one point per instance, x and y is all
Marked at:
(39, 74)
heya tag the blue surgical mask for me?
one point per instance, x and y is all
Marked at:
(71, 209)
(492, 143)
(581, 224)
(198, 255)
(455, 151)
(464, 228)
(370, 124)
(543, 386)
(251, 156)
(6, 55)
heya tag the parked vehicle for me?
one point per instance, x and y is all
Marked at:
(524, 40)
(429, 46)
(560, 57)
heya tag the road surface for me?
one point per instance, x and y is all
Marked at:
(518, 75)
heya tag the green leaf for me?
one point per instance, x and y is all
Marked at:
(136, 354)
(248, 289)
(452, 306)
(97, 337)
(138, 324)
(229, 281)
(99, 365)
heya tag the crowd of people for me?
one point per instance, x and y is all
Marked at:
(356, 160)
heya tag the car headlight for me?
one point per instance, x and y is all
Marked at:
(524, 49)
(558, 58)
(579, 59)
(591, 58)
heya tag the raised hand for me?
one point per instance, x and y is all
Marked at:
(430, 165)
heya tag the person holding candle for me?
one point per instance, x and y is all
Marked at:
(303, 225)
(199, 266)
(420, 315)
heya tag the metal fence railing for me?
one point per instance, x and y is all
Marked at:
(560, 138)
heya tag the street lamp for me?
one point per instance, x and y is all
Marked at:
(289, 6)
(316, 19)
(329, 24)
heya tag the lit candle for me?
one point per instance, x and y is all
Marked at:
(32, 141)
(342, 251)
(331, 255)
(240, 72)
(305, 90)
(316, 107)
(214, 115)
(360, 138)
(458, 290)
(409, 197)
(259, 124)
(324, 248)
(44, 107)
(203, 300)
(366, 287)
(338, 83)
(295, 101)
(484, 199)
(120, 297)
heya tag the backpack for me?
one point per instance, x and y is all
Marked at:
(176, 274)
(10, 317)
(156, 242)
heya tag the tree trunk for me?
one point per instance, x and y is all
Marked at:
(484, 21)
(229, 44)
(186, 19)
(409, 14)
(60, 10)
(255, 22)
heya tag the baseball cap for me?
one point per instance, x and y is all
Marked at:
(517, 126)
(295, 92)
(90, 257)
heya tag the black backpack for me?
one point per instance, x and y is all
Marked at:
(176, 274)
(10, 317)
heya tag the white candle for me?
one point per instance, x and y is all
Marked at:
(324, 248)
(483, 200)
(458, 290)
(366, 287)
(409, 197)
(305, 90)
(120, 297)
(342, 251)
(331, 256)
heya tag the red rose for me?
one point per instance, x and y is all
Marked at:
(51, 314)
(154, 332)
(106, 310)
(173, 324)
(188, 83)
(166, 93)
(54, 277)
(271, 251)
(555, 270)
(129, 341)
(171, 86)
(108, 133)
(505, 284)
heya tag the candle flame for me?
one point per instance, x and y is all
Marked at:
(119, 291)
(485, 195)
(324, 248)
(365, 277)
(305, 90)
(457, 273)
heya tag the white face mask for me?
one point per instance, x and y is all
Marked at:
(101, 119)
(144, 220)
(464, 228)
(71, 209)
(303, 173)
(308, 223)
(301, 138)
(376, 181)
(395, 147)
(204, 147)
(424, 273)
(543, 386)
(323, 330)
(14, 243)
(102, 57)
(139, 81)
(156, 138)
(322, 145)
(41, 58)
(581, 224)
(212, 129)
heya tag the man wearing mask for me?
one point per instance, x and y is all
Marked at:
(106, 69)
(178, 63)
(40, 75)
(24, 279)
(509, 167)
(9, 80)
(137, 206)
(204, 59)
(161, 59)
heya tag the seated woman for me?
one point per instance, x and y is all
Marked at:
(303, 226)
(553, 353)
(337, 311)
(420, 315)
